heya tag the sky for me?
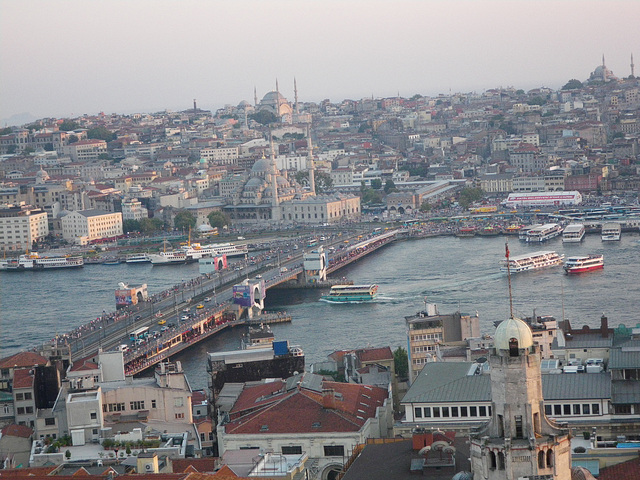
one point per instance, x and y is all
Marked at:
(64, 58)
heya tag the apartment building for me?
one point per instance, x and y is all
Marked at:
(84, 226)
(21, 226)
(85, 150)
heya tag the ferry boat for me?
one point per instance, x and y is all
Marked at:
(542, 233)
(197, 251)
(138, 258)
(169, 258)
(573, 233)
(584, 263)
(33, 261)
(523, 233)
(466, 232)
(513, 229)
(532, 261)
(351, 293)
(611, 232)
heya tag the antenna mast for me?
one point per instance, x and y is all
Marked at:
(506, 249)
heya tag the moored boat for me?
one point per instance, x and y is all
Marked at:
(466, 232)
(611, 232)
(33, 261)
(542, 233)
(351, 293)
(169, 258)
(138, 258)
(584, 263)
(573, 233)
(531, 261)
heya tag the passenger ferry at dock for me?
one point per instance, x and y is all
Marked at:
(573, 233)
(33, 261)
(532, 261)
(197, 251)
(174, 257)
(541, 233)
(138, 258)
(584, 263)
(611, 232)
(351, 294)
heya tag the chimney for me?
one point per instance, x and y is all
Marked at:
(328, 399)
(604, 326)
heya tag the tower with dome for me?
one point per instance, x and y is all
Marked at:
(277, 104)
(519, 440)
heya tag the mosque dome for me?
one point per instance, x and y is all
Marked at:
(273, 98)
(254, 183)
(244, 104)
(581, 473)
(281, 181)
(262, 165)
(513, 328)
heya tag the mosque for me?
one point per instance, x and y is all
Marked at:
(277, 104)
(603, 74)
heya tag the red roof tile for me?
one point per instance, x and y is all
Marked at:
(194, 464)
(375, 354)
(253, 397)
(629, 470)
(22, 378)
(23, 359)
(81, 365)
(17, 431)
(27, 472)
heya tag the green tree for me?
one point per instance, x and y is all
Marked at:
(371, 196)
(537, 101)
(572, 84)
(389, 186)
(425, 207)
(519, 92)
(72, 139)
(28, 151)
(469, 195)
(6, 131)
(376, 184)
(48, 147)
(401, 362)
(101, 133)
(264, 117)
(68, 125)
(323, 181)
(218, 219)
(11, 149)
(150, 225)
(184, 220)
(129, 226)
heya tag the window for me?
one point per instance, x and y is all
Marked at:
(566, 409)
(547, 409)
(445, 411)
(492, 460)
(464, 412)
(50, 421)
(595, 409)
(27, 395)
(137, 405)
(20, 410)
(19, 396)
(179, 415)
(334, 450)
(427, 412)
(557, 409)
(623, 409)
(95, 431)
(418, 412)
(473, 411)
(586, 409)
(576, 409)
(153, 404)
(550, 458)
(541, 459)
(436, 411)
(454, 411)
(519, 431)
(178, 401)
(483, 411)
(202, 437)
(500, 461)
(30, 410)
(116, 407)
(292, 450)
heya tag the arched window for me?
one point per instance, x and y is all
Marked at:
(500, 461)
(541, 459)
(513, 347)
(492, 460)
(550, 458)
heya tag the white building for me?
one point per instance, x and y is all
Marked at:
(84, 226)
(85, 150)
(542, 199)
(132, 209)
(21, 226)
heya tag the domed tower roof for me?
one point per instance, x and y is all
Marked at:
(513, 328)
(261, 166)
(273, 98)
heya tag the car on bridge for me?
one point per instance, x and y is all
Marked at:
(200, 306)
(162, 322)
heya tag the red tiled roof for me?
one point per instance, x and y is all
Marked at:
(629, 470)
(193, 464)
(22, 378)
(23, 359)
(375, 354)
(256, 396)
(17, 431)
(198, 397)
(83, 365)
(27, 472)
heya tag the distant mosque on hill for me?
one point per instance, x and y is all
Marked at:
(602, 74)
(277, 104)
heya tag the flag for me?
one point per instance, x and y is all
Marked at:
(506, 249)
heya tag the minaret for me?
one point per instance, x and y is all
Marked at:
(255, 97)
(633, 75)
(277, 89)
(310, 165)
(295, 89)
(195, 109)
(519, 441)
(274, 173)
(603, 60)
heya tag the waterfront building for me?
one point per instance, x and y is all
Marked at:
(22, 226)
(84, 226)
(427, 329)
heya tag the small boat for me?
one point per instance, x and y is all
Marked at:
(611, 232)
(111, 261)
(573, 233)
(513, 229)
(138, 258)
(351, 294)
(489, 231)
(466, 232)
(532, 261)
(584, 263)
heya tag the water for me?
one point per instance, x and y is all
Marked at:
(454, 273)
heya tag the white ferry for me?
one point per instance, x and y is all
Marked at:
(573, 233)
(611, 232)
(138, 258)
(197, 251)
(584, 263)
(168, 258)
(523, 233)
(542, 233)
(532, 261)
(33, 261)
(350, 294)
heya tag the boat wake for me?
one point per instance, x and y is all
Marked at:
(344, 302)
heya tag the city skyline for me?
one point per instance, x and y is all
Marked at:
(66, 59)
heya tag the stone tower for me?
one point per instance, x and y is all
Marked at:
(519, 440)
(310, 165)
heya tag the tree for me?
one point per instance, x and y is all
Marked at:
(184, 220)
(376, 184)
(73, 139)
(218, 219)
(519, 92)
(103, 156)
(48, 147)
(537, 101)
(101, 133)
(11, 149)
(469, 195)
(264, 117)
(130, 226)
(389, 186)
(150, 225)
(6, 131)
(425, 207)
(323, 181)
(371, 196)
(572, 84)
(401, 362)
(68, 125)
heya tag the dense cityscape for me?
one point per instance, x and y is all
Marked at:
(279, 193)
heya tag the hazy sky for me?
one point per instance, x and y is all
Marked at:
(65, 58)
